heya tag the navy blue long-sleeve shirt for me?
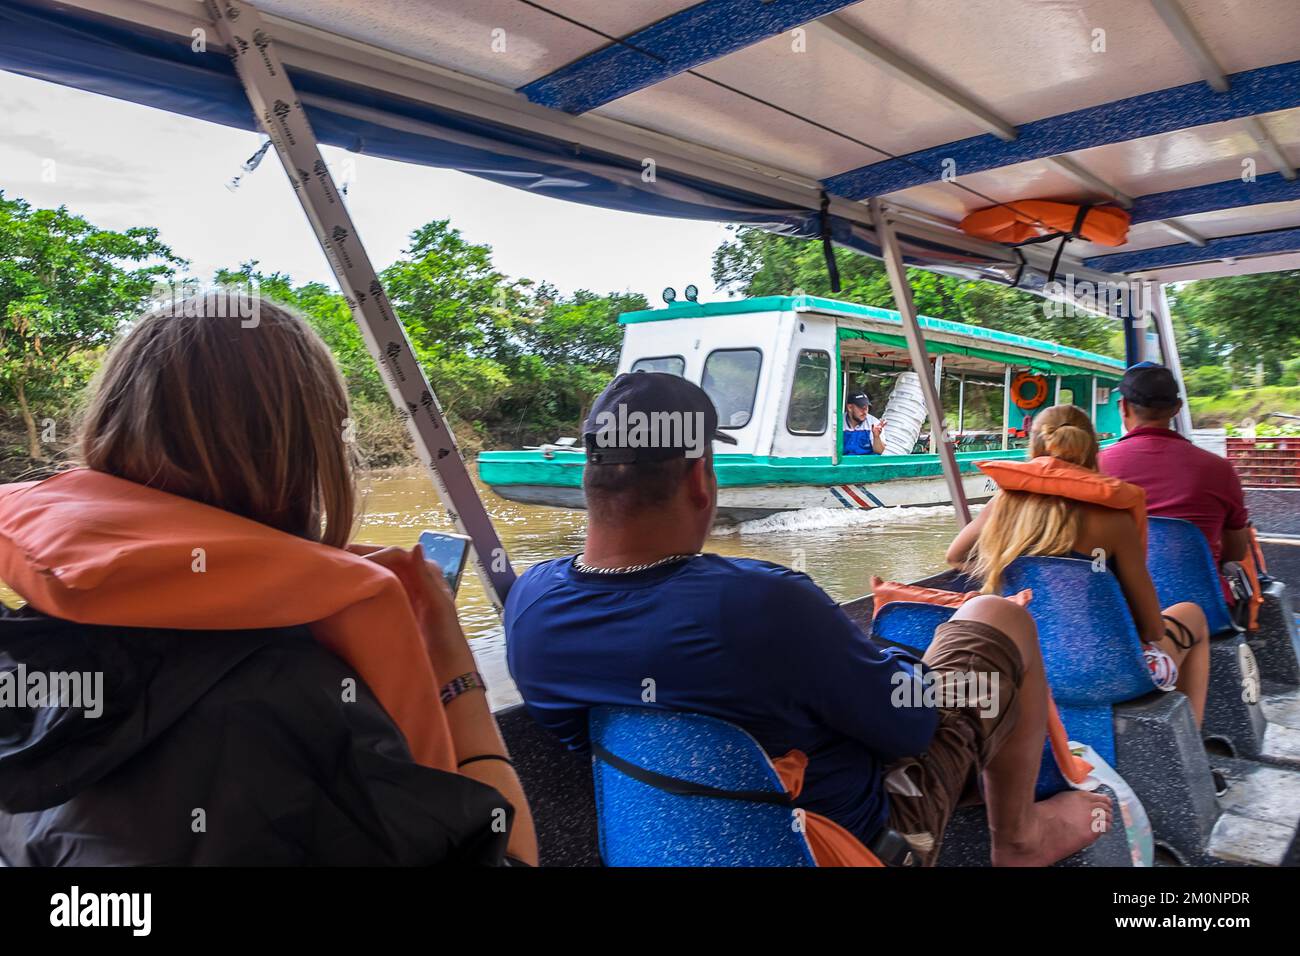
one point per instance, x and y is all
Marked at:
(746, 641)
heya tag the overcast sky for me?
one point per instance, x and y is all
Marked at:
(120, 164)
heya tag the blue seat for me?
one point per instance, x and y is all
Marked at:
(643, 824)
(1092, 654)
(1182, 567)
(909, 623)
(912, 625)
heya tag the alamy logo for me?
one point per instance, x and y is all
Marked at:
(82, 690)
(74, 908)
(948, 689)
(637, 429)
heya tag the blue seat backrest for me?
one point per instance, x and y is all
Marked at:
(1182, 567)
(910, 623)
(1091, 650)
(641, 825)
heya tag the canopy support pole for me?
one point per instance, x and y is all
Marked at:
(1006, 408)
(902, 290)
(1056, 397)
(1169, 355)
(938, 387)
(1135, 322)
(1092, 406)
(961, 405)
(281, 116)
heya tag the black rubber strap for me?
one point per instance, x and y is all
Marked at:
(685, 788)
(469, 760)
(1020, 269)
(1181, 634)
(828, 247)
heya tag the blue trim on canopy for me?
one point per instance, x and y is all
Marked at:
(1253, 92)
(1229, 247)
(676, 43)
(1271, 187)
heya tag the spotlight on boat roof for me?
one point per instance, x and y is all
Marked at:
(669, 295)
(692, 294)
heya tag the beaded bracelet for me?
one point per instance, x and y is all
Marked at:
(459, 685)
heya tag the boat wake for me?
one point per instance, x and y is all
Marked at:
(815, 519)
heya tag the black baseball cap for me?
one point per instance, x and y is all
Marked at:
(859, 399)
(650, 416)
(1150, 385)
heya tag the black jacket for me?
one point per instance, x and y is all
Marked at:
(234, 747)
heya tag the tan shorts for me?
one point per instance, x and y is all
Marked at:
(926, 789)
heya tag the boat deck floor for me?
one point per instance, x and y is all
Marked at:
(1261, 805)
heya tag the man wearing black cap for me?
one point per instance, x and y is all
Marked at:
(1180, 479)
(643, 618)
(858, 418)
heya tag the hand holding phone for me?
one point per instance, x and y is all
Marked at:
(448, 552)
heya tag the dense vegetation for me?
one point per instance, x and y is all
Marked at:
(513, 361)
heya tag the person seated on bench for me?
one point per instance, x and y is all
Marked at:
(1041, 519)
(643, 618)
(862, 430)
(265, 694)
(1181, 480)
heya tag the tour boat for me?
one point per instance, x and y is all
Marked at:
(777, 368)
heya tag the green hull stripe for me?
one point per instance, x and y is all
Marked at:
(740, 471)
(736, 471)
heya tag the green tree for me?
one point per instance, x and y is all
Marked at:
(66, 287)
(1242, 320)
(511, 360)
(1212, 380)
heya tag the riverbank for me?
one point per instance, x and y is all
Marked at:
(1242, 403)
(382, 441)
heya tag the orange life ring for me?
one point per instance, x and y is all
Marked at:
(1028, 403)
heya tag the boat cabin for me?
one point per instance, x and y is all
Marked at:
(778, 368)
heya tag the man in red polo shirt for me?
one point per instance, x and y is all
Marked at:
(1181, 480)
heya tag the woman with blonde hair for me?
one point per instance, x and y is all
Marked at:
(256, 690)
(1020, 522)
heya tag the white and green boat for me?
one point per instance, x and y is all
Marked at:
(776, 368)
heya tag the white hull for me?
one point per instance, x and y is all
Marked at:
(746, 503)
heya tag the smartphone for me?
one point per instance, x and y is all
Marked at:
(448, 552)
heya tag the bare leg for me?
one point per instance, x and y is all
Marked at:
(1193, 664)
(1026, 833)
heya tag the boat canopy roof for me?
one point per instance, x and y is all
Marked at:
(788, 115)
(878, 334)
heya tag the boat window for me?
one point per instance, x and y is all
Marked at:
(668, 364)
(1066, 397)
(810, 393)
(731, 380)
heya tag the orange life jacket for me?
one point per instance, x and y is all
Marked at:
(1253, 564)
(831, 844)
(1029, 219)
(1046, 475)
(88, 547)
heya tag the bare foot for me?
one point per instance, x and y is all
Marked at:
(1058, 826)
